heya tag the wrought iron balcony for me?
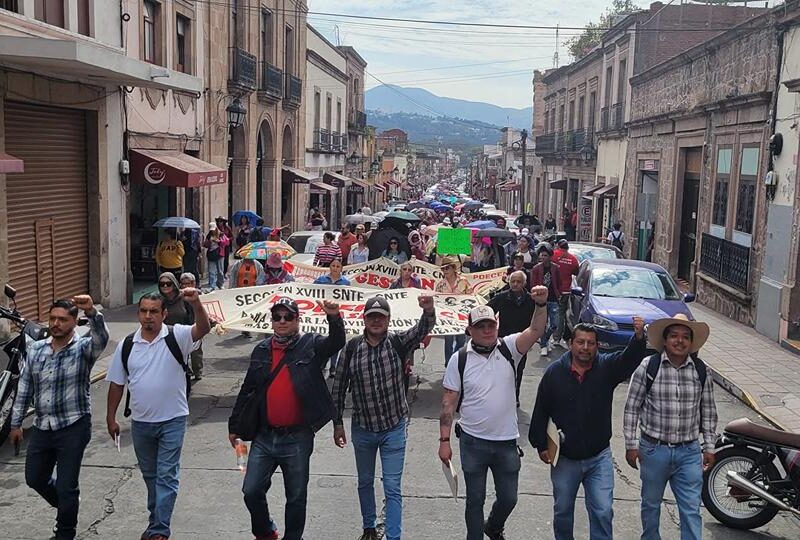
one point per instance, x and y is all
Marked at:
(357, 121)
(604, 125)
(322, 140)
(271, 88)
(725, 261)
(618, 115)
(293, 91)
(545, 144)
(243, 70)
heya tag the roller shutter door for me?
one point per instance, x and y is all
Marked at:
(47, 205)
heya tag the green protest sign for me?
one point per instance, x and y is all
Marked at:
(454, 241)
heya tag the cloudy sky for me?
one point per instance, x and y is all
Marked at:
(494, 65)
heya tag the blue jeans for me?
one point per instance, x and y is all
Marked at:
(552, 323)
(477, 457)
(451, 345)
(291, 452)
(392, 445)
(215, 274)
(597, 476)
(60, 449)
(158, 451)
(682, 467)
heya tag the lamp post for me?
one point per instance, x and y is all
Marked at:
(522, 144)
(236, 114)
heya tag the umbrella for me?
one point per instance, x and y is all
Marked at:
(252, 217)
(262, 250)
(414, 205)
(176, 223)
(358, 219)
(473, 205)
(494, 232)
(443, 208)
(402, 215)
(481, 224)
(379, 240)
(380, 215)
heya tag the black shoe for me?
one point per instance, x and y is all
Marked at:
(500, 535)
(369, 534)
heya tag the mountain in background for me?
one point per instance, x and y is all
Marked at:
(439, 132)
(389, 99)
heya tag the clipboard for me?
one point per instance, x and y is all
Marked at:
(553, 442)
(451, 476)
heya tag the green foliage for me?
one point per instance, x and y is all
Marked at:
(580, 46)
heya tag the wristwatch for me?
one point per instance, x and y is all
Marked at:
(541, 305)
(444, 439)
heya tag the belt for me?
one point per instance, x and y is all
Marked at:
(653, 440)
(286, 430)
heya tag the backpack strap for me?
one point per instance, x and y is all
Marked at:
(654, 363)
(506, 352)
(462, 364)
(127, 345)
(702, 371)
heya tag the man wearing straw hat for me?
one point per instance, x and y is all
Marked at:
(670, 404)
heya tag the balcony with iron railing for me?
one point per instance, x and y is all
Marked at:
(322, 140)
(545, 144)
(271, 87)
(357, 121)
(293, 91)
(243, 73)
(618, 115)
(725, 261)
(604, 119)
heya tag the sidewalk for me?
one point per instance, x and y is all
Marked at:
(755, 369)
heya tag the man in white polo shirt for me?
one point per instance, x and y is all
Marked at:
(480, 380)
(152, 362)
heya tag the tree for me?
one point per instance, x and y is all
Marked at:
(580, 46)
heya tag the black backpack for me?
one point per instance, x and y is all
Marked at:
(174, 348)
(616, 239)
(654, 364)
(462, 364)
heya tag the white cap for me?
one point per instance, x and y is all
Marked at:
(446, 221)
(481, 313)
(212, 226)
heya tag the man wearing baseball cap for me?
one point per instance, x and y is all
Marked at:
(372, 368)
(670, 405)
(295, 403)
(480, 383)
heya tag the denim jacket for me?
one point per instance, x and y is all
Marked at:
(305, 360)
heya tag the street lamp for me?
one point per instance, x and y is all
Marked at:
(354, 158)
(587, 154)
(511, 171)
(236, 113)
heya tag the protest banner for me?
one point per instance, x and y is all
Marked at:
(247, 309)
(381, 273)
(454, 241)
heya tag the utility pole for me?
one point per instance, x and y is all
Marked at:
(523, 188)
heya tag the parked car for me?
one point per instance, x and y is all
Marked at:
(610, 292)
(305, 244)
(591, 250)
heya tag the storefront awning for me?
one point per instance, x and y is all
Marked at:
(380, 188)
(11, 164)
(510, 186)
(336, 179)
(499, 185)
(593, 189)
(393, 182)
(174, 169)
(298, 176)
(558, 184)
(364, 184)
(322, 187)
(608, 192)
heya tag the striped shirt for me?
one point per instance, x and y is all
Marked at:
(58, 382)
(325, 254)
(375, 377)
(675, 410)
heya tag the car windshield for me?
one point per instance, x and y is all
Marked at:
(633, 283)
(583, 253)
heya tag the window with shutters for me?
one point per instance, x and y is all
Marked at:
(182, 44)
(721, 184)
(746, 189)
(150, 41)
(10, 5)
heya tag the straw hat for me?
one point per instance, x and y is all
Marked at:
(448, 261)
(655, 332)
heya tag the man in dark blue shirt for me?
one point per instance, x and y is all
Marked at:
(576, 392)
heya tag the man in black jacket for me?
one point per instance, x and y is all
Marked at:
(576, 393)
(515, 307)
(294, 406)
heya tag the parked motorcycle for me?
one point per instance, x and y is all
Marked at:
(755, 476)
(14, 352)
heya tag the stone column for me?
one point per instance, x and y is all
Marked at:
(241, 180)
(271, 196)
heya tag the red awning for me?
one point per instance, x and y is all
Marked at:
(174, 169)
(11, 164)
(510, 186)
(380, 188)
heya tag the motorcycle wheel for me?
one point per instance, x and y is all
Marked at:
(750, 513)
(6, 406)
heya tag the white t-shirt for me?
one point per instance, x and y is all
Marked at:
(489, 408)
(156, 381)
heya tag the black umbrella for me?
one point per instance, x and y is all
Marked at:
(379, 241)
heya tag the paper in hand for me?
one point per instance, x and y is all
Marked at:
(451, 476)
(117, 438)
(553, 442)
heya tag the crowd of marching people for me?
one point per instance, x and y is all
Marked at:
(286, 398)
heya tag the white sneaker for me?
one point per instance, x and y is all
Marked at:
(563, 344)
(543, 351)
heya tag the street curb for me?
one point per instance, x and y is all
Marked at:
(744, 396)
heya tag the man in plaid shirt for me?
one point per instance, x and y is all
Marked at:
(373, 368)
(671, 400)
(56, 378)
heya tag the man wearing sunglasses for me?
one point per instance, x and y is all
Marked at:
(286, 373)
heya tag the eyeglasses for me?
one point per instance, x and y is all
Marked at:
(166, 284)
(392, 243)
(289, 317)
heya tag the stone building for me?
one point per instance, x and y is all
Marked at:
(696, 157)
(358, 161)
